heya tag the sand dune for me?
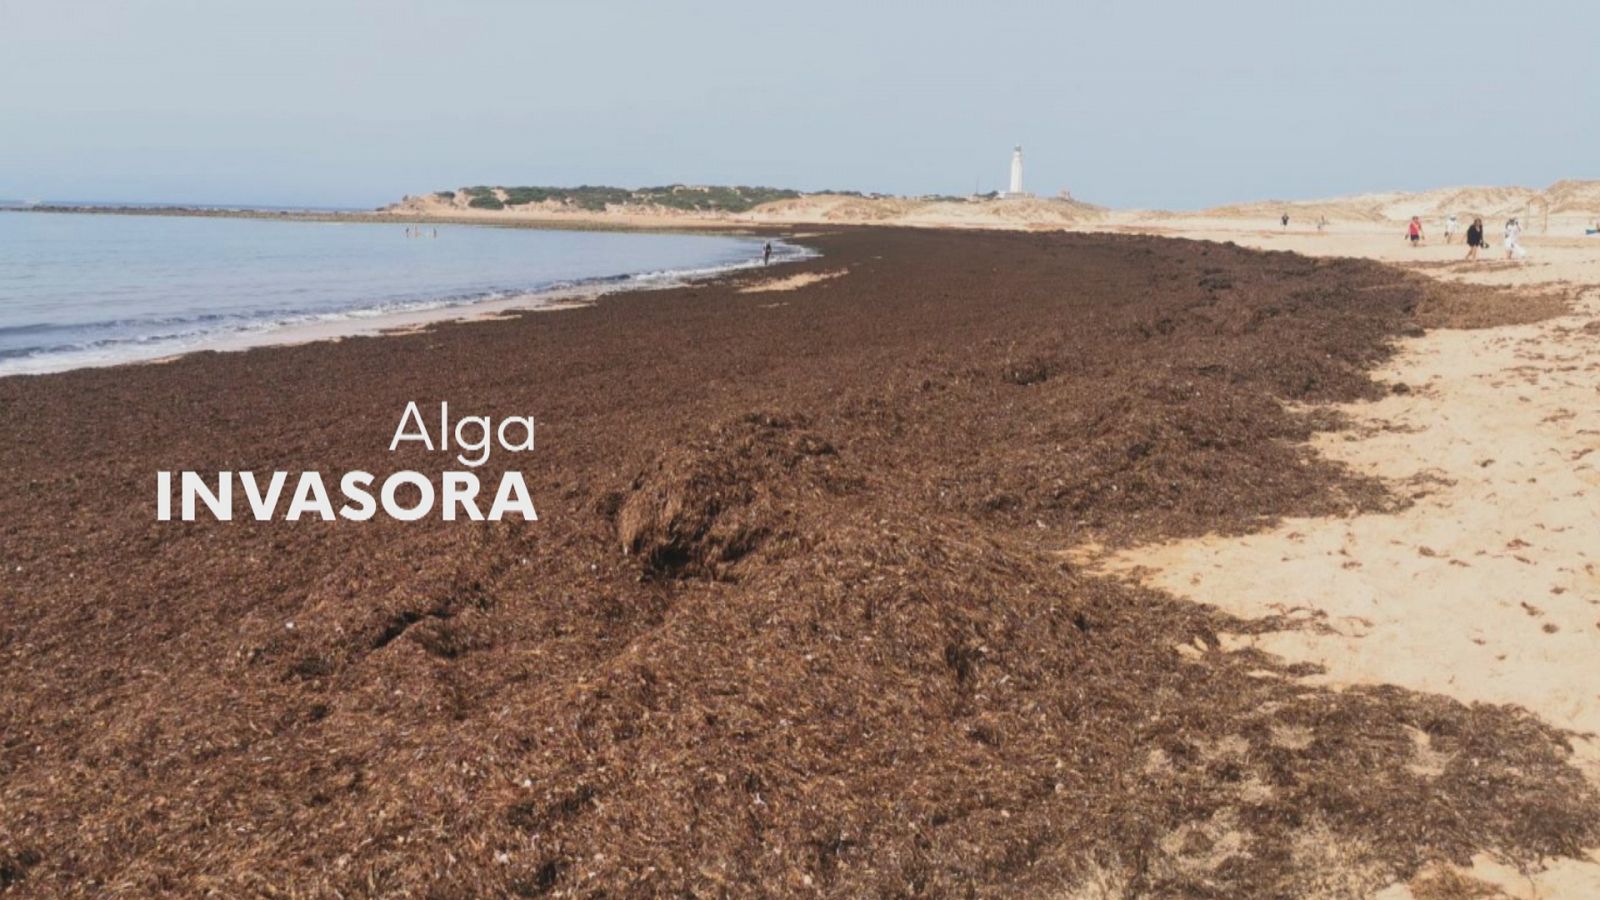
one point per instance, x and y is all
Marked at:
(1006, 213)
(1564, 203)
(1582, 197)
(812, 209)
(1393, 206)
(1564, 207)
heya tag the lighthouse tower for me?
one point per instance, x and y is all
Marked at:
(1015, 190)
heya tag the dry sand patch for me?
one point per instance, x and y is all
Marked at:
(791, 282)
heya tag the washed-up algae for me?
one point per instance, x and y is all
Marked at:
(794, 619)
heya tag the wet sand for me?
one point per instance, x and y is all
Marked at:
(794, 618)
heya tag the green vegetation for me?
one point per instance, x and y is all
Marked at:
(481, 197)
(596, 198)
(588, 197)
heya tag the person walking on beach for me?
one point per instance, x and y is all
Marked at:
(1414, 231)
(1474, 238)
(1285, 221)
(1514, 240)
(1450, 229)
(766, 253)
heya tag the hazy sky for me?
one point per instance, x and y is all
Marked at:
(1174, 104)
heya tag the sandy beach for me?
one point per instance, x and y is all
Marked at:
(1486, 588)
(949, 562)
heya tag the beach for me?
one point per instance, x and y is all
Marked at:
(1485, 588)
(629, 450)
(884, 572)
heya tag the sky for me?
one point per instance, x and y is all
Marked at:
(1171, 105)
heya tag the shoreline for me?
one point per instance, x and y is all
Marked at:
(404, 322)
(368, 322)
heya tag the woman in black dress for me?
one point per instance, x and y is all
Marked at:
(1474, 237)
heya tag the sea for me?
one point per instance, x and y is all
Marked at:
(98, 289)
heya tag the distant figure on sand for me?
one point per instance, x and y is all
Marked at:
(1474, 238)
(1322, 223)
(1514, 240)
(1286, 221)
(1450, 229)
(766, 253)
(1414, 231)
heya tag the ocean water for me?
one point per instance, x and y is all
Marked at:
(81, 290)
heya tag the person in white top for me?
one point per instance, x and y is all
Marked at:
(1514, 240)
(1450, 229)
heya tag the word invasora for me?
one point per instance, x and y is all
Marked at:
(405, 495)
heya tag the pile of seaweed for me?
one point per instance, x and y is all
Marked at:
(795, 618)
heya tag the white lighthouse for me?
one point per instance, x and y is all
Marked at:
(1015, 190)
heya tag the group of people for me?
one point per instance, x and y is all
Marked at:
(1475, 240)
(1322, 222)
(1475, 234)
